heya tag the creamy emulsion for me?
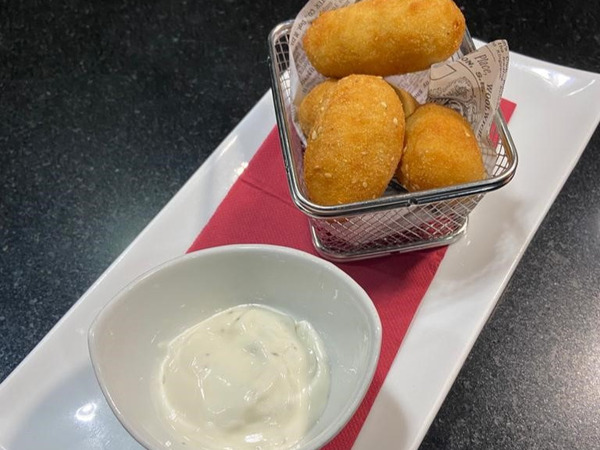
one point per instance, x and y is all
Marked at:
(249, 377)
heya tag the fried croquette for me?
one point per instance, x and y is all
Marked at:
(440, 150)
(384, 37)
(313, 104)
(356, 143)
(409, 103)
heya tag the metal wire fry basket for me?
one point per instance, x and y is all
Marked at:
(398, 221)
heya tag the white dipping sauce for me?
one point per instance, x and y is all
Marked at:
(249, 377)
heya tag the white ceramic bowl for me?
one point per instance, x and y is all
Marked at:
(124, 339)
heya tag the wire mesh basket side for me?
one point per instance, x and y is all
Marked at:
(400, 229)
(291, 142)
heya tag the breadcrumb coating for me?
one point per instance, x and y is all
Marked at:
(356, 143)
(440, 150)
(384, 37)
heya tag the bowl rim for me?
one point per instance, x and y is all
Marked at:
(366, 303)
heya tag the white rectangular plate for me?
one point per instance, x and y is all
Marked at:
(52, 400)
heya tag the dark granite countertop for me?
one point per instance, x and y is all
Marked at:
(107, 108)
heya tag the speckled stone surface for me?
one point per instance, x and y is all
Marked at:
(107, 108)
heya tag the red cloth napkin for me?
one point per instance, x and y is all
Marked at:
(258, 209)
